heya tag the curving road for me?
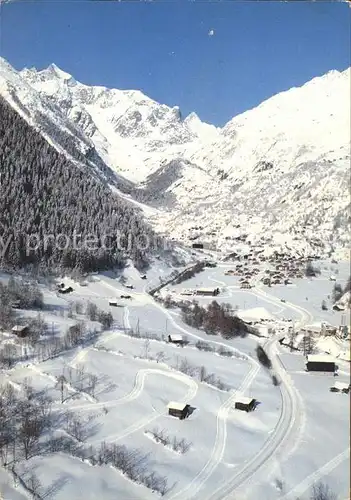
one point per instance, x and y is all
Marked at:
(289, 427)
(197, 484)
(281, 440)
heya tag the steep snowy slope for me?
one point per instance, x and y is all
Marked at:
(132, 132)
(46, 116)
(279, 172)
(287, 161)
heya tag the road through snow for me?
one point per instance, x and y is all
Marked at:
(288, 429)
(281, 441)
(199, 481)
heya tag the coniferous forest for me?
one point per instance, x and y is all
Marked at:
(55, 215)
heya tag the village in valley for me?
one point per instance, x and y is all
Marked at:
(245, 346)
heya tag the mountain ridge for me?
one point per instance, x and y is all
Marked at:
(278, 171)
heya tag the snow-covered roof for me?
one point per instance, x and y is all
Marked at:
(176, 406)
(176, 337)
(244, 400)
(314, 327)
(320, 358)
(19, 328)
(256, 313)
(341, 385)
(206, 289)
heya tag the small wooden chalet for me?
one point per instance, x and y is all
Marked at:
(20, 330)
(207, 291)
(113, 303)
(338, 307)
(340, 387)
(179, 410)
(245, 404)
(65, 289)
(320, 363)
(176, 339)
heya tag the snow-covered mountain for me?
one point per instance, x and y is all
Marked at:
(278, 173)
(133, 133)
(47, 117)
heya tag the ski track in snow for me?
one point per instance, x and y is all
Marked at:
(317, 475)
(281, 441)
(288, 430)
(285, 433)
(193, 488)
(137, 390)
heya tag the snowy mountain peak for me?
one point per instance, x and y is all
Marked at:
(278, 173)
(52, 71)
(57, 72)
(203, 130)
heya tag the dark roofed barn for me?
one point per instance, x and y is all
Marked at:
(245, 404)
(320, 363)
(179, 410)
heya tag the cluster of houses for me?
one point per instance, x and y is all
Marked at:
(281, 268)
(245, 273)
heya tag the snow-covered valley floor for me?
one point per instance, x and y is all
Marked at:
(298, 434)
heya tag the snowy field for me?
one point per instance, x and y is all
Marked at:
(298, 434)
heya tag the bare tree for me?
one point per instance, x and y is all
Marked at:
(34, 485)
(202, 373)
(30, 428)
(76, 427)
(80, 376)
(146, 349)
(93, 380)
(322, 491)
(160, 357)
(61, 381)
(78, 307)
(92, 311)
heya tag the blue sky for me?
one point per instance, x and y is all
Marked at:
(163, 48)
